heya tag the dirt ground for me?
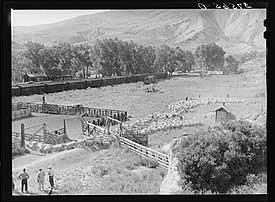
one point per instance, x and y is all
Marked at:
(74, 165)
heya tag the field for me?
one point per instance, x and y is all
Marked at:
(80, 171)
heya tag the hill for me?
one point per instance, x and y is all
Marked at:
(235, 30)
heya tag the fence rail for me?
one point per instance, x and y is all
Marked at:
(161, 158)
(34, 137)
(69, 110)
(60, 131)
(139, 149)
(89, 129)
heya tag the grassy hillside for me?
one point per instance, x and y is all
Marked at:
(186, 28)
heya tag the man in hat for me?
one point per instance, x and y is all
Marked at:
(51, 175)
(41, 179)
(24, 180)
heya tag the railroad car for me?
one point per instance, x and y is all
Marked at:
(94, 83)
(140, 77)
(150, 79)
(108, 81)
(77, 84)
(129, 79)
(120, 80)
(15, 91)
(33, 88)
(56, 87)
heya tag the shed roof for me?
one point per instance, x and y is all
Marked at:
(225, 109)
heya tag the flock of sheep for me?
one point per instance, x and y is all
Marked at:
(174, 117)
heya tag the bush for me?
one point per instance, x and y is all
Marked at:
(223, 157)
(101, 169)
(19, 151)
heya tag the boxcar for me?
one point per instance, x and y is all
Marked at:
(134, 78)
(30, 89)
(94, 83)
(15, 91)
(129, 79)
(56, 87)
(140, 77)
(108, 81)
(120, 80)
(150, 79)
(77, 84)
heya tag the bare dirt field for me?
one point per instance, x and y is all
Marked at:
(76, 170)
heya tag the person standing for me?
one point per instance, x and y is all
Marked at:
(44, 100)
(41, 179)
(24, 180)
(51, 175)
(13, 185)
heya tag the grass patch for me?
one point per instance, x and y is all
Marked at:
(128, 182)
(149, 163)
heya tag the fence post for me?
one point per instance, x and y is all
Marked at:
(65, 130)
(120, 133)
(44, 132)
(22, 135)
(108, 126)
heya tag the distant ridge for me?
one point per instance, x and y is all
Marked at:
(235, 30)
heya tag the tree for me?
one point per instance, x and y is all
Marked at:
(184, 60)
(165, 59)
(210, 57)
(231, 64)
(20, 65)
(82, 59)
(32, 54)
(222, 158)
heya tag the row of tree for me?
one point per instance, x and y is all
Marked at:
(115, 57)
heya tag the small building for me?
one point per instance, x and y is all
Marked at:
(34, 77)
(224, 114)
(150, 79)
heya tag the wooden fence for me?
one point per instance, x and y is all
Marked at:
(40, 134)
(162, 159)
(89, 129)
(70, 110)
(146, 152)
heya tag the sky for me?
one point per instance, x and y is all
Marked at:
(37, 17)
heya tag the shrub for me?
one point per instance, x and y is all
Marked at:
(19, 151)
(223, 157)
(101, 169)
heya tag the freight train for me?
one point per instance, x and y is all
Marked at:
(58, 86)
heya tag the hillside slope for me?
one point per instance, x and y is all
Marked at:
(186, 28)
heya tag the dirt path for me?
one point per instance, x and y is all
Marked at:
(30, 160)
